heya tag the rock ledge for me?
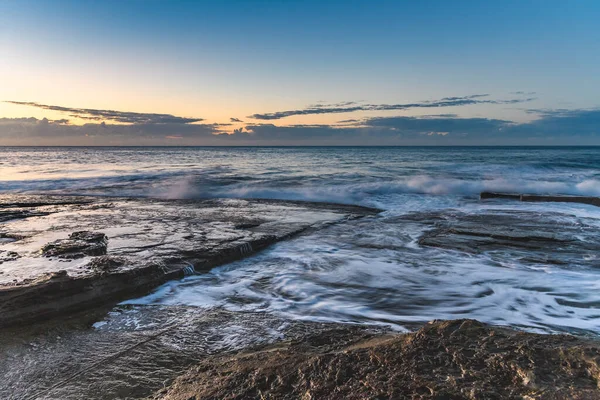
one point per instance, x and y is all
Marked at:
(460, 359)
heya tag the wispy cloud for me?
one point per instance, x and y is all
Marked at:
(521, 93)
(235, 119)
(347, 107)
(127, 117)
(561, 112)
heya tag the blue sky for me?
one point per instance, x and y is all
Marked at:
(214, 61)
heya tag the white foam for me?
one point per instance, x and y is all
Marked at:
(372, 272)
(370, 192)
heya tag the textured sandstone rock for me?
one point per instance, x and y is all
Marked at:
(461, 359)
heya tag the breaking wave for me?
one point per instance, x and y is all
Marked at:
(188, 188)
(360, 176)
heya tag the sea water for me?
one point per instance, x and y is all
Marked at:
(371, 270)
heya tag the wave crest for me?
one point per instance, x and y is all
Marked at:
(189, 188)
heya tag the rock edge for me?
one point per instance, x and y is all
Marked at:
(458, 359)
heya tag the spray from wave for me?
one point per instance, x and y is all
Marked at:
(357, 176)
(191, 187)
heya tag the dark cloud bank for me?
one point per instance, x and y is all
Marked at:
(32, 131)
(552, 127)
(576, 127)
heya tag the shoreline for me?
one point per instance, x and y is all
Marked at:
(84, 254)
(181, 353)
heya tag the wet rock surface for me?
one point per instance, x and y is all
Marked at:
(111, 248)
(460, 359)
(18, 214)
(549, 238)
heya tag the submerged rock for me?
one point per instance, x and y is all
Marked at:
(460, 359)
(133, 351)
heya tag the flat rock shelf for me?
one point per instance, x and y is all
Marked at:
(63, 254)
(594, 201)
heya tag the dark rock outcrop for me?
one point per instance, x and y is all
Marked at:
(594, 201)
(19, 214)
(461, 359)
(78, 245)
(106, 264)
(495, 195)
(6, 256)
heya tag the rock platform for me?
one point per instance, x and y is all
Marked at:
(64, 254)
(457, 359)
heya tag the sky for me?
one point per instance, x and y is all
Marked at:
(146, 72)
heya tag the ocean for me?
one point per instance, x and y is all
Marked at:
(373, 270)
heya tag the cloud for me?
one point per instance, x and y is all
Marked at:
(381, 131)
(235, 119)
(127, 117)
(323, 104)
(295, 132)
(552, 127)
(521, 93)
(353, 107)
(563, 123)
(555, 127)
(450, 125)
(562, 112)
(33, 131)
